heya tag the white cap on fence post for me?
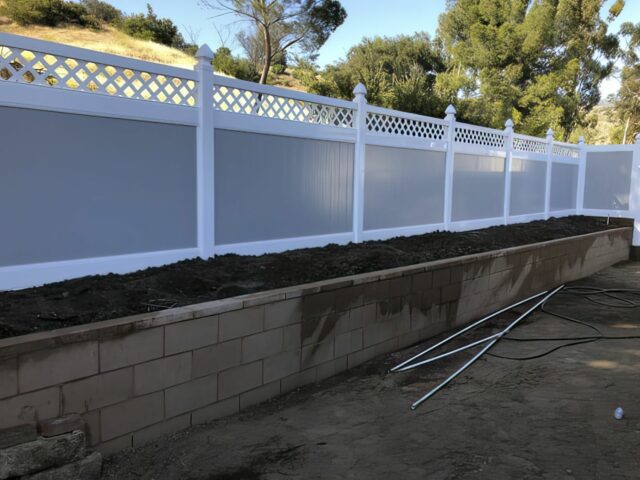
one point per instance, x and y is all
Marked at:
(581, 140)
(550, 134)
(451, 113)
(508, 125)
(204, 55)
(360, 91)
(638, 138)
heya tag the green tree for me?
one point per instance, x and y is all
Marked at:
(225, 62)
(627, 101)
(150, 27)
(399, 73)
(539, 62)
(279, 26)
(48, 12)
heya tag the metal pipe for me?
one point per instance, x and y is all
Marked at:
(465, 329)
(446, 354)
(485, 349)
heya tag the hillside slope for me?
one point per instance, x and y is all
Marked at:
(107, 39)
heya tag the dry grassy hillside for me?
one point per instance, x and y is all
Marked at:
(108, 40)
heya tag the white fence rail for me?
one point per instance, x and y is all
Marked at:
(132, 164)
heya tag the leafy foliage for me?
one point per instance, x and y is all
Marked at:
(627, 102)
(539, 62)
(241, 68)
(150, 27)
(399, 73)
(48, 12)
(276, 27)
(103, 11)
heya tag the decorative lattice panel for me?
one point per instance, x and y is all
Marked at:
(474, 136)
(529, 145)
(236, 100)
(58, 71)
(564, 151)
(380, 123)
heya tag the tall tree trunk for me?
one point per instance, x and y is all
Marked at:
(626, 129)
(267, 55)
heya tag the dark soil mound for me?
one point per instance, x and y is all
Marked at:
(95, 298)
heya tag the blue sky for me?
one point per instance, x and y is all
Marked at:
(366, 18)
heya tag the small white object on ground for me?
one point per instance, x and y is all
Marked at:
(619, 413)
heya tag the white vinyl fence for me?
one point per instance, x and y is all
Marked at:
(110, 164)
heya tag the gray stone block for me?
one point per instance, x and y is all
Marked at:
(216, 358)
(8, 377)
(131, 349)
(41, 454)
(17, 435)
(190, 335)
(89, 468)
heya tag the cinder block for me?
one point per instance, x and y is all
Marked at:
(317, 353)
(115, 445)
(166, 427)
(349, 297)
(58, 365)
(30, 407)
(331, 368)
(190, 335)
(98, 391)
(131, 349)
(451, 292)
(283, 313)
(259, 395)
(88, 468)
(299, 379)
(421, 281)
(282, 365)
(240, 323)
(41, 454)
(342, 344)
(190, 396)
(441, 277)
(261, 345)
(223, 408)
(135, 414)
(318, 304)
(92, 427)
(361, 315)
(162, 373)
(216, 358)
(8, 377)
(239, 379)
(292, 337)
(356, 340)
(60, 425)
(378, 332)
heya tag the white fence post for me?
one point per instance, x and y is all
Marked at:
(547, 186)
(582, 170)
(448, 167)
(205, 153)
(634, 197)
(360, 99)
(508, 131)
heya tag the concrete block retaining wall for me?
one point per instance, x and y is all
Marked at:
(137, 378)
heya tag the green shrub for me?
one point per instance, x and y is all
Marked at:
(48, 12)
(103, 11)
(240, 68)
(150, 27)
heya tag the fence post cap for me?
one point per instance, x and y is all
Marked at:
(509, 124)
(581, 140)
(360, 89)
(550, 133)
(638, 138)
(204, 52)
(451, 110)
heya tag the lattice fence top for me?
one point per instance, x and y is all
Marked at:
(529, 145)
(476, 136)
(395, 125)
(248, 102)
(566, 151)
(62, 71)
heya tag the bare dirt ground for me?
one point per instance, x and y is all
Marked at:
(546, 418)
